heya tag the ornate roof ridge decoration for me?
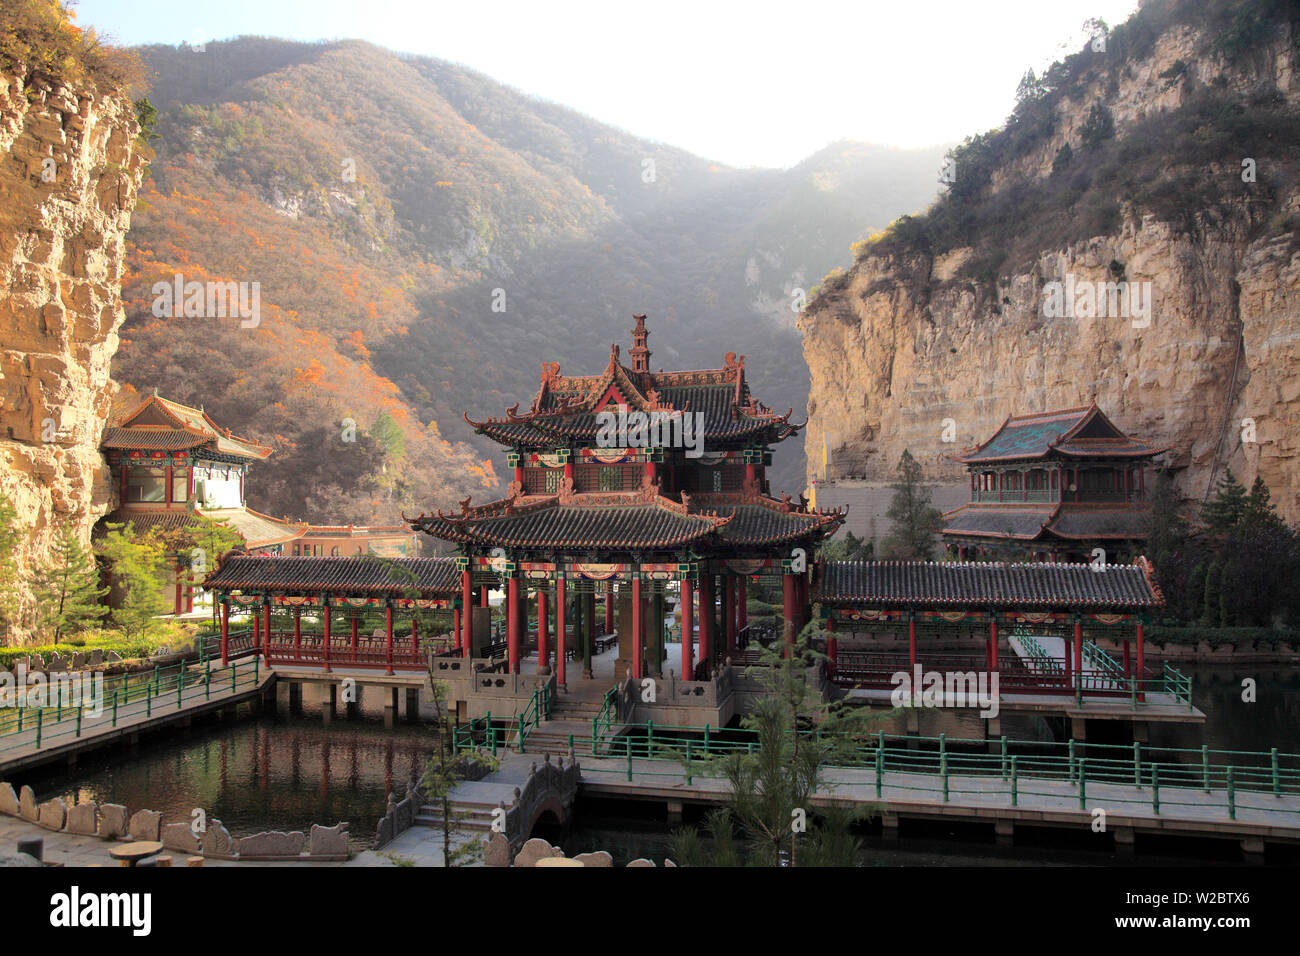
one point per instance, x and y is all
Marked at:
(1149, 570)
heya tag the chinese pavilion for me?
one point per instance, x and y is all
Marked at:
(642, 518)
(173, 462)
(1057, 484)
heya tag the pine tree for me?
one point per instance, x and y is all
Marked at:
(1259, 513)
(67, 590)
(770, 789)
(139, 568)
(444, 772)
(915, 521)
(1222, 512)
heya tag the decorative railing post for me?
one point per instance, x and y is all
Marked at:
(1015, 785)
(1155, 788)
(1232, 797)
(1083, 783)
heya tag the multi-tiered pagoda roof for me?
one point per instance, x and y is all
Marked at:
(659, 511)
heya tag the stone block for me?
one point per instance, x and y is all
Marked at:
(534, 850)
(8, 800)
(27, 804)
(96, 657)
(271, 844)
(145, 825)
(112, 821)
(328, 841)
(78, 661)
(179, 836)
(642, 862)
(216, 840)
(496, 850)
(599, 858)
(114, 657)
(52, 814)
(83, 819)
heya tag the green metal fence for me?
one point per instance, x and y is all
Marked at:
(1164, 778)
(174, 685)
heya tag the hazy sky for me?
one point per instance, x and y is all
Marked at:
(750, 84)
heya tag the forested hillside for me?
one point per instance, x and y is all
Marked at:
(423, 237)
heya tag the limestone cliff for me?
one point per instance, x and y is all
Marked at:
(72, 163)
(915, 335)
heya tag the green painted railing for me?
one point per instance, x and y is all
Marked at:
(939, 769)
(1203, 768)
(174, 685)
(603, 724)
(538, 709)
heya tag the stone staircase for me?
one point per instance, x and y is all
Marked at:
(479, 815)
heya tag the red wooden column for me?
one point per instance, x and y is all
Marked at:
(609, 606)
(1128, 659)
(266, 642)
(1141, 662)
(485, 596)
(561, 649)
(591, 623)
(832, 644)
(1078, 645)
(729, 610)
(993, 644)
(638, 624)
(388, 636)
(325, 647)
(911, 642)
(788, 595)
(225, 632)
(687, 599)
(467, 619)
(543, 628)
(706, 616)
(1069, 663)
(356, 623)
(257, 633)
(455, 628)
(297, 633)
(512, 622)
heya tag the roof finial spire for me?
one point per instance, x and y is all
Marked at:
(639, 352)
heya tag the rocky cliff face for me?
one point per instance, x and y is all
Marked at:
(908, 353)
(72, 163)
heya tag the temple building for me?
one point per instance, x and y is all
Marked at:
(648, 487)
(173, 462)
(1054, 486)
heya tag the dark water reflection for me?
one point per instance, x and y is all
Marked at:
(270, 773)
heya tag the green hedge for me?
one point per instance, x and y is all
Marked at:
(1241, 637)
